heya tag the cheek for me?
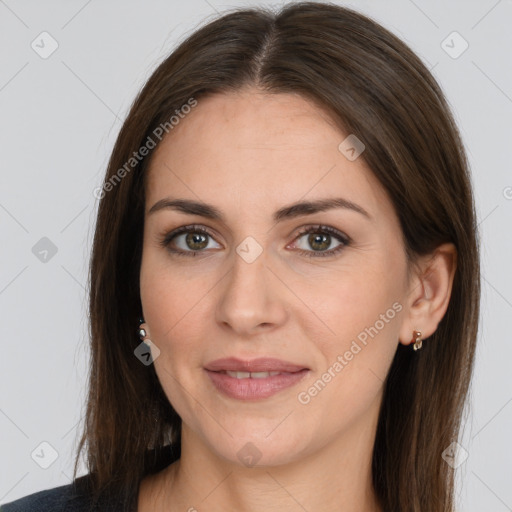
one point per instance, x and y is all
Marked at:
(365, 305)
(361, 315)
(170, 293)
(175, 314)
(172, 307)
(178, 311)
(356, 358)
(353, 298)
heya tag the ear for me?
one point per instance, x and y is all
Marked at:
(429, 293)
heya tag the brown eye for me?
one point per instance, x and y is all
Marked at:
(196, 241)
(319, 242)
(320, 239)
(187, 240)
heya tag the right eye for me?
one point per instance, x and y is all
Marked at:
(194, 239)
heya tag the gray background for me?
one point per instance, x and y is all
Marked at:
(59, 119)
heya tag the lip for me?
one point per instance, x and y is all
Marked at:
(262, 364)
(254, 389)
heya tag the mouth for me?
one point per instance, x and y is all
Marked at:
(254, 385)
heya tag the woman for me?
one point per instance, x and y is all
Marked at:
(284, 283)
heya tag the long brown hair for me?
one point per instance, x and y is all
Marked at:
(374, 86)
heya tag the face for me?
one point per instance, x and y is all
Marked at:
(322, 290)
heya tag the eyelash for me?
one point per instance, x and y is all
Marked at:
(167, 239)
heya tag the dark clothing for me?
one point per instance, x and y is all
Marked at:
(77, 496)
(66, 498)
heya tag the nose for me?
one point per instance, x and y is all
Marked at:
(252, 297)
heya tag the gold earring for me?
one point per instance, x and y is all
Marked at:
(416, 338)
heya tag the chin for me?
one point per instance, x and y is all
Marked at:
(260, 451)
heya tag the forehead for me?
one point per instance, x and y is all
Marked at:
(258, 146)
(251, 119)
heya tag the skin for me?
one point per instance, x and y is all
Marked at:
(250, 153)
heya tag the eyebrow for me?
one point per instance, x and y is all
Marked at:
(287, 212)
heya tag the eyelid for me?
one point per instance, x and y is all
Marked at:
(313, 228)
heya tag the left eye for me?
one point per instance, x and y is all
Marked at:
(320, 238)
(196, 240)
